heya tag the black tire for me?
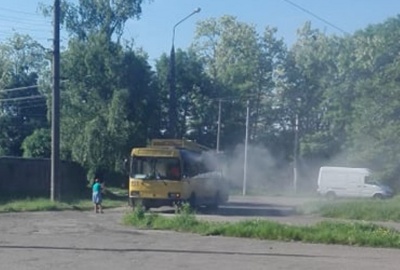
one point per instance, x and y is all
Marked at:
(193, 201)
(135, 202)
(217, 200)
(131, 202)
(331, 195)
(378, 196)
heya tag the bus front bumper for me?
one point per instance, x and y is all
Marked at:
(152, 202)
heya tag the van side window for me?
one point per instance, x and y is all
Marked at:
(370, 180)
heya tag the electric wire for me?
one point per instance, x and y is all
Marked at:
(19, 88)
(21, 98)
(32, 102)
(17, 11)
(316, 16)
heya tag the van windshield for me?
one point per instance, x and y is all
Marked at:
(155, 168)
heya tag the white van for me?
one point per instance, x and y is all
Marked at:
(350, 182)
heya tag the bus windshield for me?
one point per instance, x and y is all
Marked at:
(155, 168)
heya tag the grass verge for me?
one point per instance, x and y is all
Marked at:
(346, 233)
(44, 204)
(361, 209)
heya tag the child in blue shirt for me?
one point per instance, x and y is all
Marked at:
(96, 196)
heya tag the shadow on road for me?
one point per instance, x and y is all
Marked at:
(244, 209)
(252, 209)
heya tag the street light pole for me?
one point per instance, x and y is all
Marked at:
(172, 87)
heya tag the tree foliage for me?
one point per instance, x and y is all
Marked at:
(23, 107)
(109, 103)
(342, 89)
(37, 145)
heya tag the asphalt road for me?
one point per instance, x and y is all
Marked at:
(84, 240)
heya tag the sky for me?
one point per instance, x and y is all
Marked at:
(153, 31)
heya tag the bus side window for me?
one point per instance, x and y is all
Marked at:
(186, 173)
(174, 170)
(189, 168)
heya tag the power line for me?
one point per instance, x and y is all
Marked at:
(21, 98)
(16, 27)
(34, 102)
(7, 36)
(43, 105)
(7, 25)
(19, 88)
(26, 20)
(25, 87)
(18, 11)
(316, 16)
(28, 101)
(27, 104)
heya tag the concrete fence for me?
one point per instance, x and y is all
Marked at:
(31, 177)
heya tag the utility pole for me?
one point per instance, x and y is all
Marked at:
(219, 123)
(245, 149)
(296, 139)
(55, 186)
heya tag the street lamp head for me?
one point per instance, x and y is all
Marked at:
(197, 10)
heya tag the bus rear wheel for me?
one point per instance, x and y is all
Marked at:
(192, 201)
(215, 203)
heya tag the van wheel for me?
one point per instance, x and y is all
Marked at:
(331, 195)
(378, 196)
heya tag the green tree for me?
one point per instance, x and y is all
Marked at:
(375, 126)
(87, 17)
(312, 93)
(23, 105)
(109, 102)
(37, 145)
(196, 112)
(241, 65)
(109, 98)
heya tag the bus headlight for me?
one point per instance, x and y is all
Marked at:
(174, 195)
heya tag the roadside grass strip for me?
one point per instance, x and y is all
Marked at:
(362, 209)
(44, 204)
(343, 233)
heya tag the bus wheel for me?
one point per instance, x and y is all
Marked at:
(139, 203)
(192, 201)
(131, 202)
(216, 201)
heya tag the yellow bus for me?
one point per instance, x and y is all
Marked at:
(169, 172)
